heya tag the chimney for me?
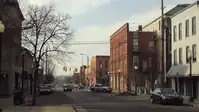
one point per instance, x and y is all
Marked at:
(140, 28)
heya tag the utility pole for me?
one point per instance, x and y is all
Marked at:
(162, 36)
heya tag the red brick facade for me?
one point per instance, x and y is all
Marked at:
(99, 69)
(124, 46)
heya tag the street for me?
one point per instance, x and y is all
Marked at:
(86, 101)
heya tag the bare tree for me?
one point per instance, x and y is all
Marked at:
(50, 70)
(50, 35)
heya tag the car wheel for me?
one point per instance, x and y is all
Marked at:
(152, 100)
(104, 91)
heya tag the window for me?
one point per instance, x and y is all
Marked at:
(150, 62)
(187, 28)
(135, 61)
(180, 55)
(135, 45)
(100, 63)
(159, 25)
(187, 54)
(175, 57)
(106, 63)
(174, 33)
(193, 25)
(194, 52)
(180, 31)
(151, 46)
(135, 34)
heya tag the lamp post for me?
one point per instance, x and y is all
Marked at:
(190, 74)
(2, 29)
(119, 71)
(22, 75)
(135, 68)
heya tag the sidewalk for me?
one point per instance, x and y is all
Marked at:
(6, 102)
(40, 109)
(193, 104)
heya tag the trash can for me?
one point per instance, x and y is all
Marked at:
(18, 98)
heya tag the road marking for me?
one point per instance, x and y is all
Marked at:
(80, 109)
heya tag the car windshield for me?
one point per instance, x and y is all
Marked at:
(44, 87)
(168, 91)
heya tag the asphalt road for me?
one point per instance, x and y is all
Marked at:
(86, 101)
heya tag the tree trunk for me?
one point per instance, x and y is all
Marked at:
(34, 87)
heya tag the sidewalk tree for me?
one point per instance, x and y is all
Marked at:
(50, 31)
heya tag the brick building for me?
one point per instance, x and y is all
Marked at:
(83, 74)
(99, 70)
(127, 50)
(10, 59)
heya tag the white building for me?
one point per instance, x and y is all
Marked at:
(155, 26)
(185, 43)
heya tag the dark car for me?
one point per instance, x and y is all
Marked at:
(67, 88)
(45, 89)
(166, 96)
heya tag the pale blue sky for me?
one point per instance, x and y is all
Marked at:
(96, 20)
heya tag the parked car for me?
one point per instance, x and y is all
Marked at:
(67, 88)
(51, 87)
(44, 89)
(106, 89)
(96, 88)
(166, 96)
(81, 87)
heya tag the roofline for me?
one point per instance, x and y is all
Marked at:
(16, 4)
(189, 6)
(120, 28)
(165, 15)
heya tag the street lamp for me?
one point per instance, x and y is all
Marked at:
(2, 29)
(22, 75)
(135, 68)
(190, 64)
(119, 71)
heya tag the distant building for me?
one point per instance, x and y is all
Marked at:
(82, 74)
(99, 69)
(130, 49)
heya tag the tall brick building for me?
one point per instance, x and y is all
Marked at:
(127, 50)
(11, 45)
(100, 69)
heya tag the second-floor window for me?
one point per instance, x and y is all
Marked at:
(180, 31)
(180, 55)
(174, 33)
(187, 28)
(106, 63)
(151, 46)
(175, 57)
(187, 54)
(194, 52)
(193, 25)
(135, 45)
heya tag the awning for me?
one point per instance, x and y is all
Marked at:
(183, 70)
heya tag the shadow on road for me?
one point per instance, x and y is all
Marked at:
(55, 99)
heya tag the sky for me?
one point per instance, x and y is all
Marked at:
(96, 20)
